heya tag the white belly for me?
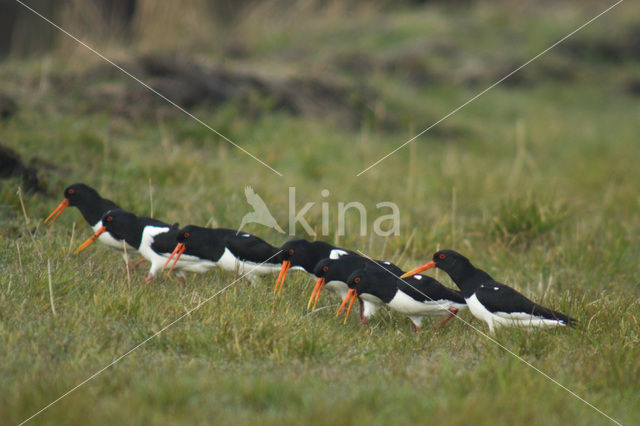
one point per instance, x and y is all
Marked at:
(371, 304)
(338, 288)
(518, 319)
(229, 262)
(106, 239)
(407, 305)
(157, 260)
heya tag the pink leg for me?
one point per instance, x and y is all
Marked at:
(415, 328)
(134, 265)
(453, 311)
(182, 281)
(147, 278)
(363, 320)
(139, 262)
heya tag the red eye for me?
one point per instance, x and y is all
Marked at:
(442, 255)
(187, 235)
(325, 268)
(71, 191)
(291, 251)
(356, 280)
(109, 218)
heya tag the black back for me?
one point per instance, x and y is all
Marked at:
(91, 205)
(124, 225)
(206, 243)
(424, 288)
(307, 254)
(341, 268)
(253, 249)
(494, 296)
(375, 280)
(501, 298)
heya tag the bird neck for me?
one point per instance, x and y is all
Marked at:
(469, 278)
(95, 208)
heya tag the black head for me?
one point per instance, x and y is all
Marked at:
(373, 281)
(206, 243)
(338, 269)
(189, 235)
(79, 193)
(196, 241)
(123, 225)
(305, 253)
(451, 261)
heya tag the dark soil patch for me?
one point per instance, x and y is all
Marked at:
(8, 106)
(191, 84)
(11, 165)
(606, 48)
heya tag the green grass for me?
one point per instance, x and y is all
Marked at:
(536, 183)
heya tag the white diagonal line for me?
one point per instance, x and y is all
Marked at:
(490, 87)
(58, 27)
(115, 361)
(502, 346)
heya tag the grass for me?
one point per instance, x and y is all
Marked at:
(535, 182)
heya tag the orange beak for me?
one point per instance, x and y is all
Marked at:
(281, 276)
(428, 265)
(58, 210)
(90, 240)
(351, 297)
(180, 248)
(316, 293)
(354, 296)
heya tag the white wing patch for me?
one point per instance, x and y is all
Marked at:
(417, 277)
(336, 253)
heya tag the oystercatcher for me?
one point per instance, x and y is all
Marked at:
(153, 239)
(92, 207)
(490, 301)
(416, 296)
(226, 248)
(304, 254)
(334, 273)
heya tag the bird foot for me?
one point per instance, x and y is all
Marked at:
(147, 278)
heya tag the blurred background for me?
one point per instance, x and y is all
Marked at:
(536, 181)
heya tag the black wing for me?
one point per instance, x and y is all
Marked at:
(251, 248)
(149, 221)
(165, 242)
(428, 289)
(385, 266)
(498, 297)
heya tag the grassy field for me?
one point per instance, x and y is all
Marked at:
(536, 182)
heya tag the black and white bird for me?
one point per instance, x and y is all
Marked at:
(416, 296)
(92, 207)
(227, 249)
(305, 255)
(334, 275)
(153, 239)
(490, 301)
